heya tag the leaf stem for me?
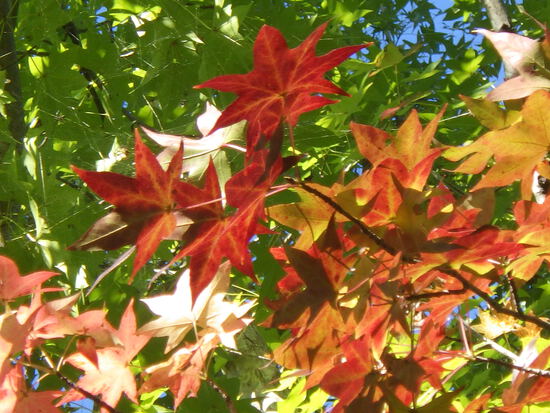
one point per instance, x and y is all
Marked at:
(234, 146)
(276, 189)
(225, 145)
(212, 201)
(123, 257)
(463, 337)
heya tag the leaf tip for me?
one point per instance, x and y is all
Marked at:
(137, 136)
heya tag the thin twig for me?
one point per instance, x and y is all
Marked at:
(234, 146)
(495, 305)
(502, 350)
(530, 370)
(435, 294)
(123, 257)
(53, 371)
(463, 337)
(513, 293)
(86, 393)
(364, 229)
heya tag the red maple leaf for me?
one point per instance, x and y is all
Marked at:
(145, 206)
(312, 312)
(281, 85)
(221, 236)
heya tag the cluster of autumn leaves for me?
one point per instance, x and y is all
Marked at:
(380, 265)
(104, 353)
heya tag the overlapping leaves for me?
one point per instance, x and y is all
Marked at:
(373, 291)
(145, 206)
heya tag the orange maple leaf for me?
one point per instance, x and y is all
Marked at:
(313, 312)
(411, 146)
(110, 376)
(183, 371)
(518, 150)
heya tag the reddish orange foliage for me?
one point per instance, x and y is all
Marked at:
(282, 84)
(373, 288)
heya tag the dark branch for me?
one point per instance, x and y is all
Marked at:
(536, 372)
(53, 371)
(495, 305)
(435, 294)
(362, 227)
(86, 393)
(8, 62)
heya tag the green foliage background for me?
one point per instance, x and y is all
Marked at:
(91, 69)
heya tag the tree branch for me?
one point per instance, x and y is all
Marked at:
(435, 294)
(53, 371)
(364, 229)
(536, 372)
(8, 62)
(513, 293)
(497, 14)
(223, 394)
(86, 393)
(495, 305)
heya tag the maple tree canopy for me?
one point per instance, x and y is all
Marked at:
(387, 252)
